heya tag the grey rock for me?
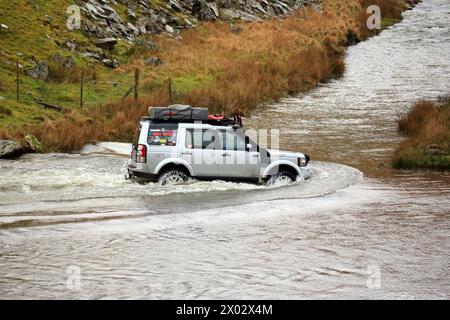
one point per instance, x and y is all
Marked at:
(175, 5)
(131, 14)
(40, 71)
(4, 27)
(32, 144)
(10, 149)
(214, 8)
(152, 61)
(202, 10)
(106, 43)
(133, 28)
(169, 29)
(69, 63)
(149, 45)
(92, 55)
(70, 45)
(111, 63)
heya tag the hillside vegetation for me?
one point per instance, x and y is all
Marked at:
(226, 65)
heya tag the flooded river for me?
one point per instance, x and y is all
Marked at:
(72, 227)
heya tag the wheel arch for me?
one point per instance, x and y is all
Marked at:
(174, 163)
(277, 166)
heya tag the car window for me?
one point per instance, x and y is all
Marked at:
(231, 141)
(200, 139)
(162, 135)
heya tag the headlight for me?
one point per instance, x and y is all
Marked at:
(302, 162)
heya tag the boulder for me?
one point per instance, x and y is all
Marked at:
(106, 43)
(10, 149)
(175, 5)
(32, 144)
(40, 71)
(153, 61)
(169, 29)
(111, 63)
(202, 11)
(4, 27)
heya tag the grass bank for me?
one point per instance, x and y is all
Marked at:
(427, 126)
(227, 69)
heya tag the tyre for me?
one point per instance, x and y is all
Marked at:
(173, 177)
(282, 178)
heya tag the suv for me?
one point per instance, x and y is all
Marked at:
(172, 150)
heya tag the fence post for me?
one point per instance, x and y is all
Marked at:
(136, 85)
(17, 80)
(82, 89)
(170, 91)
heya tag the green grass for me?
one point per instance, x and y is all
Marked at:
(32, 36)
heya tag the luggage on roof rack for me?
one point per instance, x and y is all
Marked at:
(178, 112)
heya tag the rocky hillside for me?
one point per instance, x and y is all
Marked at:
(144, 17)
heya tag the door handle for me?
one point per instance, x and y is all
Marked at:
(187, 153)
(256, 156)
(226, 155)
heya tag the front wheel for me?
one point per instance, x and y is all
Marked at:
(282, 178)
(173, 177)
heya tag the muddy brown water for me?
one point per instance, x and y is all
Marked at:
(72, 227)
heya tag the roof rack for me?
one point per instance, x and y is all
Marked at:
(223, 122)
(189, 114)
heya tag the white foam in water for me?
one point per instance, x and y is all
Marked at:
(118, 148)
(96, 183)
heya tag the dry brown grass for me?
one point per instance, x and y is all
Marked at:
(426, 124)
(4, 135)
(264, 61)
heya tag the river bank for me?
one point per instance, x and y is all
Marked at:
(224, 68)
(427, 126)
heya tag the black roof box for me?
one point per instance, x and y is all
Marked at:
(178, 112)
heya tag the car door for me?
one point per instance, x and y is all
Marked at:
(239, 159)
(200, 151)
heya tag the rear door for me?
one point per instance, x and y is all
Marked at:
(162, 139)
(200, 151)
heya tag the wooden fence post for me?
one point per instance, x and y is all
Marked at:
(136, 85)
(17, 80)
(170, 91)
(82, 89)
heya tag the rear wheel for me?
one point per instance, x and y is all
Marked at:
(173, 177)
(282, 178)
